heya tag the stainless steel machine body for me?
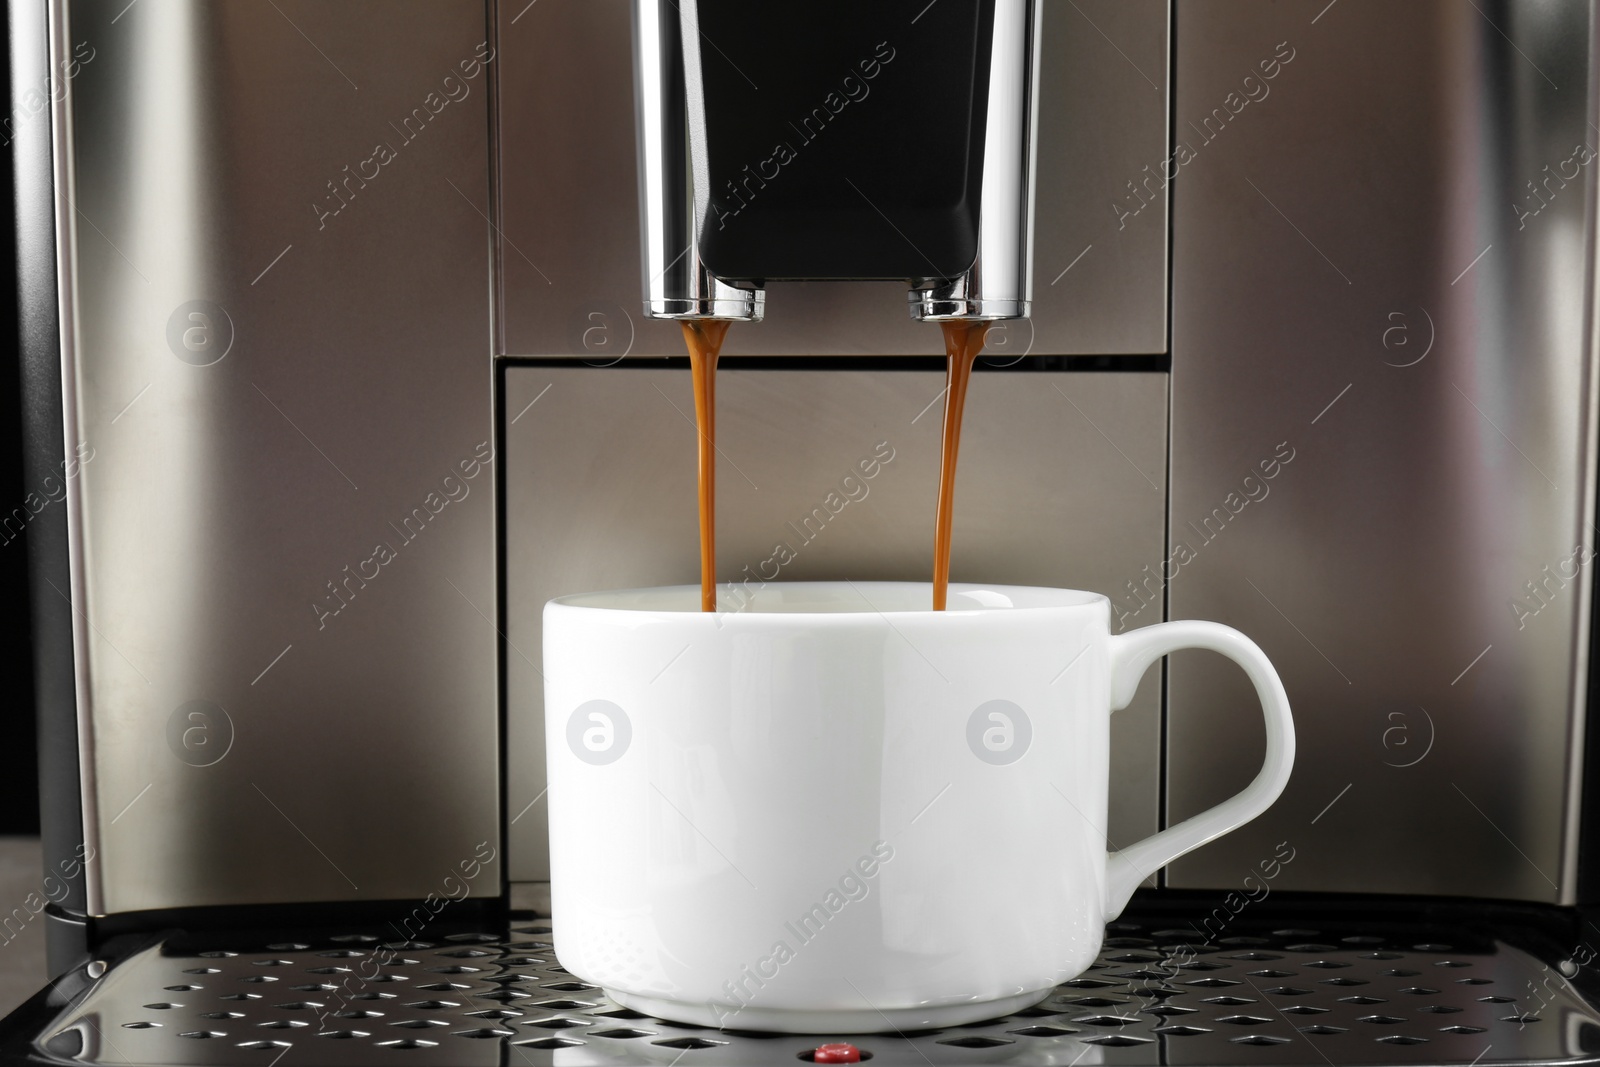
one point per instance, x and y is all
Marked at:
(336, 371)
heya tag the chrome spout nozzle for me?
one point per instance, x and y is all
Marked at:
(999, 284)
(674, 191)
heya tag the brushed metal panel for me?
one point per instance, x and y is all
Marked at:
(1356, 273)
(600, 493)
(569, 197)
(339, 756)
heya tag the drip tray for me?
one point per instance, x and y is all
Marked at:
(1264, 990)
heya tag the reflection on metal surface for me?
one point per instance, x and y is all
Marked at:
(1356, 994)
(263, 390)
(673, 187)
(999, 284)
(1385, 265)
(1102, 128)
(1048, 497)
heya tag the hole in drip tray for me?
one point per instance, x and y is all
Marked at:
(975, 1042)
(688, 1042)
(1260, 1039)
(1403, 1039)
(1042, 1031)
(1116, 1040)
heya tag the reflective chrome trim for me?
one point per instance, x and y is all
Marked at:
(67, 296)
(673, 190)
(999, 285)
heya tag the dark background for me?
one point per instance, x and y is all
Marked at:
(19, 770)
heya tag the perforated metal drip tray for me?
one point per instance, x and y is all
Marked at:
(1270, 986)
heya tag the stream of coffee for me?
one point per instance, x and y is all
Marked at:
(963, 340)
(704, 339)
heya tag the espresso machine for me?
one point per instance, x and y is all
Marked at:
(349, 335)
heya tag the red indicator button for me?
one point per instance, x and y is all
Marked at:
(838, 1052)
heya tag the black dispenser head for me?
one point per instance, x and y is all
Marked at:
(836, 140)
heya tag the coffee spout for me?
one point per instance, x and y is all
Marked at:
(884, 141)
(674, 186)
(999, 284)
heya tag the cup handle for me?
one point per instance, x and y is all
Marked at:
(1131, 655)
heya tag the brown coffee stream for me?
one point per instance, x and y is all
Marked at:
(704, 339)
(963, 341)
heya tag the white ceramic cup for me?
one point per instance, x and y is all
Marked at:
(837, 811)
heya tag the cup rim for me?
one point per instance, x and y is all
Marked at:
(982, 599)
